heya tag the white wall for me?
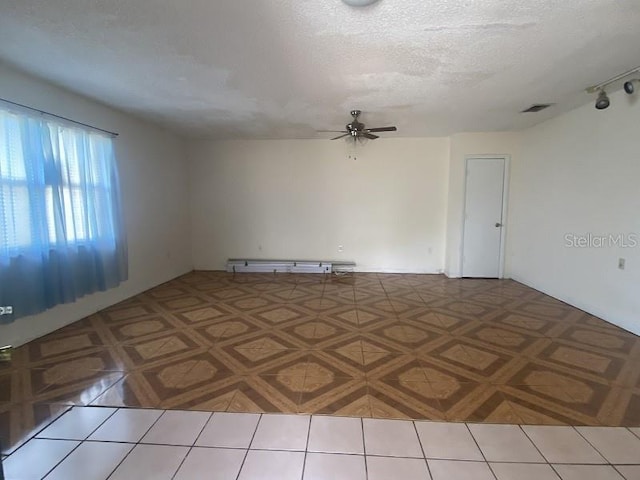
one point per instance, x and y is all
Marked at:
(155, 200)
(579, 174)
(300, 199)
(463, 145)
(397, 208)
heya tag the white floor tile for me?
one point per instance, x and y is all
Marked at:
(325, 466)
(505, 443)
(282, 432)
(25, 436)
(91, 461)
(636, 431)
(177, 428)
(150, 462)
(336, 435)
(616, 444)
(523, 471)
(36, 458)
(126, 425)
(447, 441)
(590, 472)
(269, 465)
(212, 464)
(77, 423)
(563, 445)
(232, 430)
(457, 470)
(391, 438)
(630, 472)
(390, 468)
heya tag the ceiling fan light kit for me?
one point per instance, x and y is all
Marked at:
(356, 130)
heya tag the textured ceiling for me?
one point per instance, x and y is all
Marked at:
(284, 68)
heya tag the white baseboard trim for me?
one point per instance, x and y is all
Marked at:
(584, 306)
(27, 329)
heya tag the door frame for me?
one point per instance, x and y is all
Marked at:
(505, 199)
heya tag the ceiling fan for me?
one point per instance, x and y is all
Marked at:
(357, 130)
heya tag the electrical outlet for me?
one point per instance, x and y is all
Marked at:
(6, 310)
(340, 249)
(621, 262)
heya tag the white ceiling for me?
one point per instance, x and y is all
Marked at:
(284, 68)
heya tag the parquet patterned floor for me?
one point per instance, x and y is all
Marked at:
(366, 345)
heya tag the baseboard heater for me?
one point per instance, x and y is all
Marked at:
(239, 265)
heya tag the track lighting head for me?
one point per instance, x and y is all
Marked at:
(628, 86)
(602, 101)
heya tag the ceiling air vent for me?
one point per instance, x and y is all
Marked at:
(537, 107)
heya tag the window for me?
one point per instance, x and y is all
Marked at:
(61, 228)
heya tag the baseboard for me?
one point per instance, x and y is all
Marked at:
(27, 329)
(584, 306)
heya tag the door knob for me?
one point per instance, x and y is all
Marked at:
(498, 224)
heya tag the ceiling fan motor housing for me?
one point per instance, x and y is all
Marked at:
(355, 126)
(357, 129)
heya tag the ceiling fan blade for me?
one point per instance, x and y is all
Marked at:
(341, 136)
(382, 129)
(370, 136)
(331, 131)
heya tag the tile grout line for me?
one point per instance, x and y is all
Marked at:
(592, 445)
(475, 440)
(364, 450)
(70, 439)
(306, 448)
(121, 461)
(620, 473)
(605, 463)
(246, 454)
(124, 373)
(135, 444)
(632, 432)
(555, 470)
(536, 446)
(192, 446)
(105, 420)
(204, 426)
(38, 432)
(64, 458)
(424, 454)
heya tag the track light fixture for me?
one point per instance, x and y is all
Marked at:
(603, 101)
(628, 85)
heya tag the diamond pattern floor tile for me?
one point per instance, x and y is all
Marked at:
(368, 345)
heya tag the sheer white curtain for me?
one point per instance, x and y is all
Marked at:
(61, 225)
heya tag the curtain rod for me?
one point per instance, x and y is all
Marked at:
(42, 112)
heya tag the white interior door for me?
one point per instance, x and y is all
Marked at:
(482, 239)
